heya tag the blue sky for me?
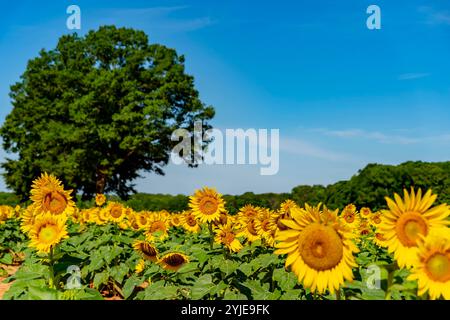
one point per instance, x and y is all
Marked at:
(342, 96)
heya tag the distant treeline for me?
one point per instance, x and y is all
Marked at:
(367, 188)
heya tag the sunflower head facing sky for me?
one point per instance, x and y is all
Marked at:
(409, 219)
(207, 204)
(49, 195)
(319, 248)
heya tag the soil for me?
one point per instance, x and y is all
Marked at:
(5, 286)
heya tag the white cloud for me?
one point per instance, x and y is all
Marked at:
(434, 16)
(412, 76)
(304, 148)
(383, 137)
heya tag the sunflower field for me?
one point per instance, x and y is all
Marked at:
(53, 250)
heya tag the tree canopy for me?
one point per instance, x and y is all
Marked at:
(97, 111)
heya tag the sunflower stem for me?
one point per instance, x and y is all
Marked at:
(211, 236)
(51, 280)
(338, 294)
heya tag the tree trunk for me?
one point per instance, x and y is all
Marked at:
(101, 181)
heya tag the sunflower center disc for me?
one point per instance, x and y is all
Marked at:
(229, 238)
(438, 267)
(116, 212)
(47, 234)
(209, 206)
(321, 247)
(349, 218)
(54, 202)
(409, 228)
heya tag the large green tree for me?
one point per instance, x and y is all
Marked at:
(97, 111)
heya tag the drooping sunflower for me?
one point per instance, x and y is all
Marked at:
(173, 261)
(319, 248)
(146, 249)
(116, 212)
(206, 205)
(49, 195)
(158, 227)
(100, 199)
(407, 220)
(101, 216)
(432, 266)
(48, 230)
(190, 222)
(226, 235)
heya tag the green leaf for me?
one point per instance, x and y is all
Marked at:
(101, 278)
(6, 259)
(261, 291)
(129, 285)
(42, 293)
(203, 286)
(286, 280)
(158, 291)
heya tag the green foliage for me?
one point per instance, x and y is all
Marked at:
(98, 109)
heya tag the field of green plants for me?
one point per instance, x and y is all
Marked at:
(109, 251)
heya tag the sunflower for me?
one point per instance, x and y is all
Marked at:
(116, 212)
(375, 219)
(432, 266)
(132, 222)
(146, 249)
(28, 216)
(190, 222)
(249, 212)
(351, 217)
(143, 219)
(100, 199)
(287, 206)
(226, 235)
(319, 248)
(49, 195)
(409, 219)
(3, 217)
(248, 229)
(173, 261)
(364, 228)
(100, 215)
(379, 240)
(47, 231)
(158, 227)
(140, 266)
(365, 212)
(207, 204)
(176, 220)
(224, 219)
(263, 226)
